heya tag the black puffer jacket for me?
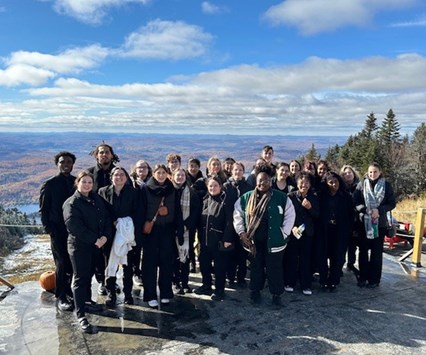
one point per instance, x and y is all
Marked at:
(86, 219)
(216, 221)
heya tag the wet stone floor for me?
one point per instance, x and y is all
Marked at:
(390, 319)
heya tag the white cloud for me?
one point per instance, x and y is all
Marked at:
(212, 9)
(421, 22)
(19, 74)
(166, 40)
(318, 96)
(314, 16)
(34, 68)
(69, 61)
(90, 11)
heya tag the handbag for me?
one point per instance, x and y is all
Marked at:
(148, 225)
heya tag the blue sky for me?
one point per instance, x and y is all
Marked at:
(298, 67)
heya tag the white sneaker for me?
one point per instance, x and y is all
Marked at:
(153, 303)
(288, 288)
(307, 291)
(165, 301)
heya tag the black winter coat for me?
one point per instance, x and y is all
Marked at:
(216, 221)
(86, 219)
(194, 208)
(53, 194)
(303, 215)
(388, 203)
(127, 204)
(152, 194)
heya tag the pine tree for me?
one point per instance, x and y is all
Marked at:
(370, 126)
(389, 130)
(418, 158)
(312, 154)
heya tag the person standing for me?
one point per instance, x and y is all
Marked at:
(215, 239)
(123, 201)
(89, 228)
(163, 209)
(373, 198)
(234, 188)
(190, 207)
(105, 161)
(334, 230)
(53, 194)
(298, 254)
(263, 218)
(351, 179)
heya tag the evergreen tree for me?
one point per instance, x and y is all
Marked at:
(312, 154)
(370, 126)
(389, 130)
(418, 158)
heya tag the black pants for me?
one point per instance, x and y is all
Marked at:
(265, 265)
(136, 259)
(209, 255)
(83, 268)
(297, 262)
(370, 268)
(127, 276)
(331, 257)
(237, 267)
(158, 257)
(63, 267)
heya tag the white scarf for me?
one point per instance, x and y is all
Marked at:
(185, 203)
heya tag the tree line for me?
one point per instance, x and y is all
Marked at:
(403, 159)
(12, 238)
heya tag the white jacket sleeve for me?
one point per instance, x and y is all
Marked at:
(289, 218)
(239, 218)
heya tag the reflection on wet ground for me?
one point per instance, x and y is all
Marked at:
(389, 319)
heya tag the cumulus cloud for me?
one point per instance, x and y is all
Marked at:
(69, 61)
(90, 11)
(35, 68)
(19, 74)
(314, 16)
(319, 93)
(212, 9)
(166, 40)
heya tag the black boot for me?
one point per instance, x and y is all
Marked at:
(111, 300)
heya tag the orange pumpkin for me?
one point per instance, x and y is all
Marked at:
(48, 280)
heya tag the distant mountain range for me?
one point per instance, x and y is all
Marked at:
(27, 158)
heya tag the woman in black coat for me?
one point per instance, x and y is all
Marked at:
(373, 198)
(122, 201)
(89, 228)
(190, 207)
(298, 254)
(216, 235)
(234, 188)
(351, 179)
(162, 207)
(335, 227)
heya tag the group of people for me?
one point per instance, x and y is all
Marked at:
(286, 221)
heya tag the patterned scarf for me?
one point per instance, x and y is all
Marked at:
(373, 197)
(256, 208)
